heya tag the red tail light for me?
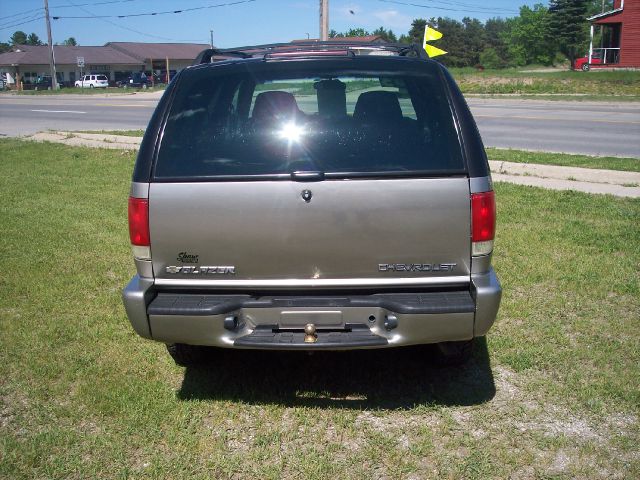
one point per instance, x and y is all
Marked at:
(483, 222)
(139, 221)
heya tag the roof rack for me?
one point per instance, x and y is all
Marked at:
(305, 48)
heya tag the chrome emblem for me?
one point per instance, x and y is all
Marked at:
(306, 195)
(214, 270)
(416, 267)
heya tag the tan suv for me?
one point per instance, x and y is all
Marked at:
(312, 196)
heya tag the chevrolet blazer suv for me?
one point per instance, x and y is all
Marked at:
(310, 196)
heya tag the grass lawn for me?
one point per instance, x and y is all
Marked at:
(524, 81)
(551, 393)
(564, 159)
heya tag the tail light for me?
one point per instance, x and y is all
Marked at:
(139, 228)
(483, 223)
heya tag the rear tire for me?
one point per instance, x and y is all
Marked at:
(585, 67)
(451, 354)
(91, 86)
(187, 355)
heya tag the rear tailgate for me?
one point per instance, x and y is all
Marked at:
(350, 233)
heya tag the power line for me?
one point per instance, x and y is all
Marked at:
(467, 10)
(22, 23)
(23, 19)
(23, 13)
(147, 14)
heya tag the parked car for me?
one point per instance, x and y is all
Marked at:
(583, 64)
(311, 200)
(137, 80)
(44, 83)
(93, 81)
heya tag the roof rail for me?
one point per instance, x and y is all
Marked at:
(307, 47)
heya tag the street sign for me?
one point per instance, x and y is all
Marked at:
(80, 61)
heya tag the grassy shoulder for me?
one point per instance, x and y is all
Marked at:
(551, 392)
(598, 84)
(564, 159)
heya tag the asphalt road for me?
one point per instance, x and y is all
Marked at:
(593, 128)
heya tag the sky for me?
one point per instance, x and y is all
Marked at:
(234, 24)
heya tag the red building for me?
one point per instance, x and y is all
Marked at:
(620, 46)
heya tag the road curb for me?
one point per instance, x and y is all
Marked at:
(591, 175)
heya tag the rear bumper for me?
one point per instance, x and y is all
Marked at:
(342, 321)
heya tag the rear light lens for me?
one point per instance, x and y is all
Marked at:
(139, 228)
(483, 222)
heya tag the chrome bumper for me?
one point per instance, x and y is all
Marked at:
(236, 321)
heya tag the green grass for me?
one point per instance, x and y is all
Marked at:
(564, 159)
(551, 393)
(597, 84)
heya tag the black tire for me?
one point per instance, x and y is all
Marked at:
(451, 354)
(585, 67)
(91, 85)
(187, 355)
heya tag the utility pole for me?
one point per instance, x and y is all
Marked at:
(211, 32)
(52, 60)
(324, 20)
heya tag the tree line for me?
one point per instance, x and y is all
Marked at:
(538, 35)
(21, 38)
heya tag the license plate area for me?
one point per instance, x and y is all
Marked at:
(322, 319)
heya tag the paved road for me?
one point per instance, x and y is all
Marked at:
(25, 115)
(594, 128)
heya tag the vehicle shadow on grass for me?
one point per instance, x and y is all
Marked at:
(401, 378)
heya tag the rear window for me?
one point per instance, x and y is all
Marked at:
(336, 122)
(102, 77)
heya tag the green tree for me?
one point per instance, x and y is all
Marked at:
(71, 41)
(18, 38)
(386, 35)
(568, 26)
(356, 32)
(33, 39)
(352, 32)
(489, 58)
(416, 33)
(528, 37)
(453, 41)
(494, 29)
(4, 47)
(473, 40)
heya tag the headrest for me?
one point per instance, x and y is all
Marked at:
(275, 105)
(378, 106)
